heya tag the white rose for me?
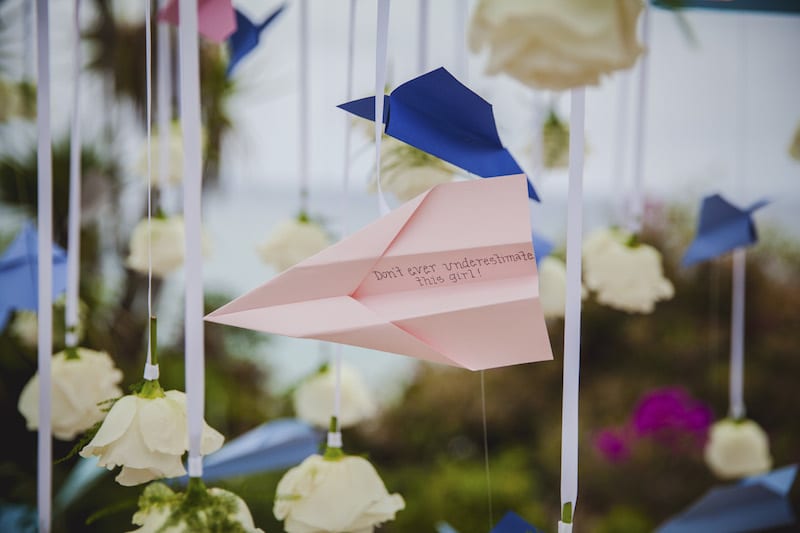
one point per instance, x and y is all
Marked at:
(146, 434)
(220, 510)
(625, 277)
(128, 13)
(169, 237)
(338, 495)
(556, 44)
(25, 326)
(292, 241)
(408, 172)
(174, 156)
(313, 399)
(737, 449)
(552, 287)
(78, 385)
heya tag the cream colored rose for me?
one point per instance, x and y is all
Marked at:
(174, 158)
(147, 436)
(25, 327)
(552, 287)
(313, 399)
(408, 172)
(78, 386)
(556, 44)
(292, 241)
(169, 237)
(161, 511)
(626, 277)
(737, 449)
(343, 495)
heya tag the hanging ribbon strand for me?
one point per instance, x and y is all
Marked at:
(351, 46)
(44, 452)
(422, 36)
(739, 274)
(636, 208)
(192, 181)
(381, 50)
(460, 41)
(150, 367)
(572, 315)
(163, 97)
(74, 217)
(303, 106)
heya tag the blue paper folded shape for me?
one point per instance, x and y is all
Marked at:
(753, 504)
(19, 273)
(271, 446)
(776, 6)
(439, 115)
(542, 247)
(722, 228)
(247, 36)
(510, 523)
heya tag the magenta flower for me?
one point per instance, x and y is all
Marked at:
(672, 418)
(613, 444)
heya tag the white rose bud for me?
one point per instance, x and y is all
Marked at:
(146, 434)
(737, 449)
(313, 399)
(628, 278)
(336, 495)
(78, 386)
(408, 172)
(291, 242)
(556, 44)
(163, 511)
(168, 245)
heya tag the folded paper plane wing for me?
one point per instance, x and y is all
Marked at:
(723, 227)
(448, 277)
(215, 18)
(247, 36)
(754, 504)
(439, 115)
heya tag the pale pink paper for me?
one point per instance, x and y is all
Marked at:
(366, 290)
(216, 19)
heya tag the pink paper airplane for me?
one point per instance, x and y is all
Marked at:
(216, 19)
(448, 277)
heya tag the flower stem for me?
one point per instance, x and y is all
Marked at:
(153, 341)
(566, 513)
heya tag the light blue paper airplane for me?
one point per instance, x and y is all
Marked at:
(510, 523)
(19, 273)
(247, 36)
(271, 446)
(722, 228)
(439, 115)
(753, 504)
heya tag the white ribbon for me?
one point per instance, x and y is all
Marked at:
(460, 42)
(44, 452)
(422, 36)
(192, 181)
(304, 102)
(739, 273)
(163, 97)
(572, 313)
(74, 217)
(637, 191)
(618, 164)
(381, 48)
(335, 436)
(737, 409)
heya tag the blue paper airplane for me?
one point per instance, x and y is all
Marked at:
(441, 116)
(247, 36)
(542, 247)
(271, 446)
(510, 523)
(776, 6)
(723, 227)
(753, 504)
(19, 273)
